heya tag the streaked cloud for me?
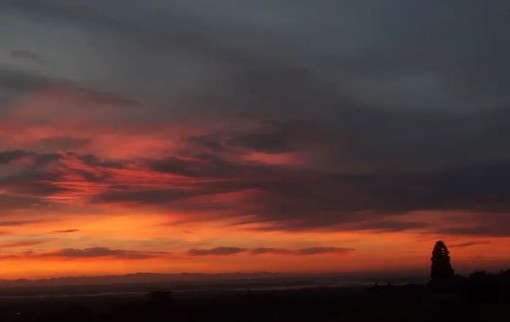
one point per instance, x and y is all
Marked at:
(216, 251)
(98, 252)
(470, 243)
(223, 251)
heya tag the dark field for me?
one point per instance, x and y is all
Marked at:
(387, 303)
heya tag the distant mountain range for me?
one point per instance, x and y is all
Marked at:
(181, 278)
(136, 278)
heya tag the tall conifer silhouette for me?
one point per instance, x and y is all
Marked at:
(441, 266)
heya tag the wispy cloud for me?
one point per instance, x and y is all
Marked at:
(66, 231)
(223, 251)
(74, 253)
(470, 243)
(215, 251)
(23, 243)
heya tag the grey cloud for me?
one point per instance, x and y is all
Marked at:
(14, 202)
(21, 81)
(108, 97)
(264, 142)
(17, 222)
(61, 143)
(222, 251)
(391, 94)
(66, 231)
(36, 183)
(93, 160)
(14, 83)
(264, 250)
(303, 251)
(390, 226)
(203, 165)
(33, 178)
(27, 55)
(100, 252)
(278, 137)
(147, 197)
(24, 243)
(469, 244)
(417, 67)
(215, 251)
(324, 250)
(8, 156)
(496, 229)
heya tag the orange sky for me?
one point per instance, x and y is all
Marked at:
(123, 197)
(144, 241)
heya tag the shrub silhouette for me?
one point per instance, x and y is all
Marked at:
(485, 287)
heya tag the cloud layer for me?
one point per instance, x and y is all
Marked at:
(281, 196)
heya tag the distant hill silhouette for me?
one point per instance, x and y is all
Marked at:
(136, 278)
(155, 278)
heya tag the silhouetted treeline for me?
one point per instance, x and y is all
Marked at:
(479, 297)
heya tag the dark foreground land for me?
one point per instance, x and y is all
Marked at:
(484, 302)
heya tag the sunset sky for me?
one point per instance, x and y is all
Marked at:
(247, 136)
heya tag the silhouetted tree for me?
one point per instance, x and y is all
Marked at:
(441, 266)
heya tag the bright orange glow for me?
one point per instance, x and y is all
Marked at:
(107, 204)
